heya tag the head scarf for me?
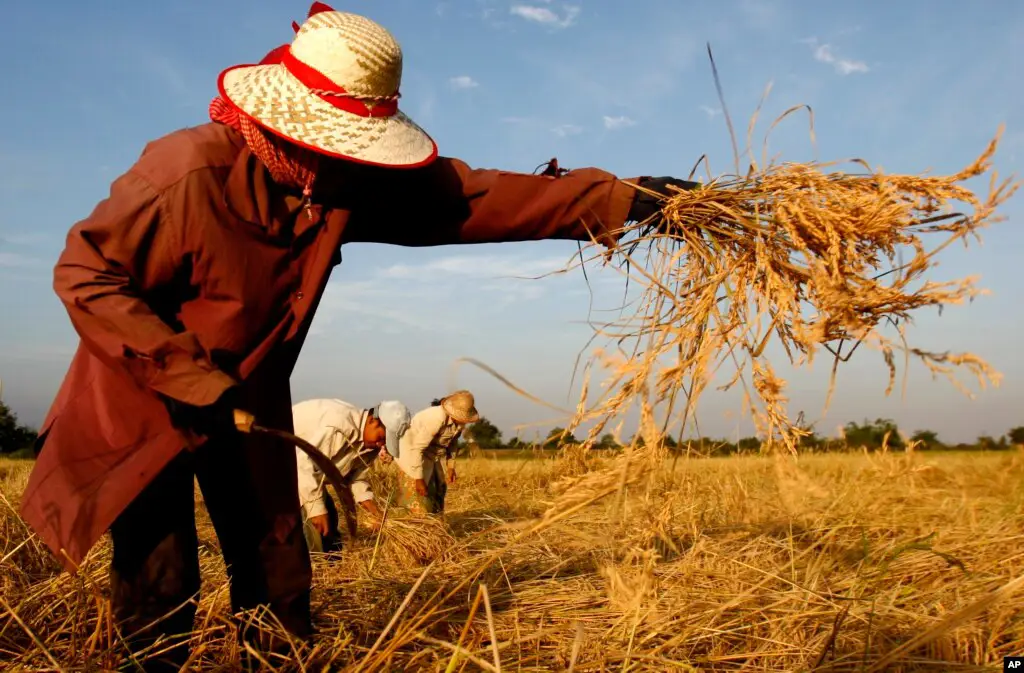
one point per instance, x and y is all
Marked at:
(288, 163)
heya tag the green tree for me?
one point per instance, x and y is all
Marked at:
(13, 435)
(928, 439)
(558, 437)
(749, 445)
(484, 434)
(988, 443)
(1016, 435)
(607, 441)
(870, 435)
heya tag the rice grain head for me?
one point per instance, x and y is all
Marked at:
(798, 255)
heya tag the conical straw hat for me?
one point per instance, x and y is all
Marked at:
(461, 406)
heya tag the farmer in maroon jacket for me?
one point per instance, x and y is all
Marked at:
(193, 286)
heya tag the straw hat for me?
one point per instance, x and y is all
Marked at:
(461, 407)
(335, 91)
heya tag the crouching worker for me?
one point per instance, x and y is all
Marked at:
(434, 432)
(352, 438)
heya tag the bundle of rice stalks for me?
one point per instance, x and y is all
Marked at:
(413, 541)
(792, 254)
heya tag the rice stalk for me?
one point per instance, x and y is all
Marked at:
(415, 541)
(796, 256)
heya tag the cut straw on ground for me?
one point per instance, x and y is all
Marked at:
(893, 562)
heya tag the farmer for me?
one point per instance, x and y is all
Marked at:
(434, 433)
(193, 285)
(352, 438)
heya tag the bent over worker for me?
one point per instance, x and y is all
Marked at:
(352, 438)
(192, 287)
(434, 433)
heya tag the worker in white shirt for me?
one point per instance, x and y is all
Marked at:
(352, 438)
(433, 433)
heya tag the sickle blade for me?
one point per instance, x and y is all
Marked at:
(331, 472)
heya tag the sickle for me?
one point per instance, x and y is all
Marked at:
(246, 422)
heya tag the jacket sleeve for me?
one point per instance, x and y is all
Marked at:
(331, 437)
(361, 490)
(311, 488)
(126, 250)
(449, 202)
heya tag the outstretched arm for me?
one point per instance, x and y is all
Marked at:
(449, 202)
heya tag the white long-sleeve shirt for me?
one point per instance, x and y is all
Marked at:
(336, 429)
(429, 434)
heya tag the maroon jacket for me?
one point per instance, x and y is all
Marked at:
(199, 272)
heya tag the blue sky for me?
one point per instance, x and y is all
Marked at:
(910, 86)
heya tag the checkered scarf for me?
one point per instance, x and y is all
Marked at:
(288, 164)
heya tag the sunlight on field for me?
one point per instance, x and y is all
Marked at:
(842, 562)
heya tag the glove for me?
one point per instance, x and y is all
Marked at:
(212, 420)
(646, 205)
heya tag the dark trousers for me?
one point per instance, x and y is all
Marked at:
(249, 486)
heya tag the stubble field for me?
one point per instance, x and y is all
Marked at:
(853, 562)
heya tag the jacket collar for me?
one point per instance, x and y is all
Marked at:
(364, 416)
(252, 196)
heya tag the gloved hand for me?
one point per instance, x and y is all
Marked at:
(212, 420)
(646, 205)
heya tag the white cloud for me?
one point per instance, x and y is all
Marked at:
(417, 296)
(846, 67)
(15, 260)
(463, 82)
(542, 125)
(711, 112)
(564, 130)
(823, 53)
(33, 238)
(369, 301)
(614, 123)
(546, 16)
(842, 65)
(606, 78)
(477, 266)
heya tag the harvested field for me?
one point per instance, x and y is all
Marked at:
(842, 562)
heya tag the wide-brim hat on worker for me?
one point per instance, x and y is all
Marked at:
(396, 419)
(461, 407)
(333, 90)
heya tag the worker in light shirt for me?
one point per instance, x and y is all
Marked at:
(351, 437)
(433, 435)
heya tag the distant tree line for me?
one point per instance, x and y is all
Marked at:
(15, 438)
(869, 435)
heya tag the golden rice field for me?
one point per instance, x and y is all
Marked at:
(849, 562)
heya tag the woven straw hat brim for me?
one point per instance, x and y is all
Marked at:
(458, 415)
(275, 99)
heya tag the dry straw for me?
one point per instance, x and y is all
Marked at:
(804, 257)
(841, 563)
(413, 541)
(885, 562)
